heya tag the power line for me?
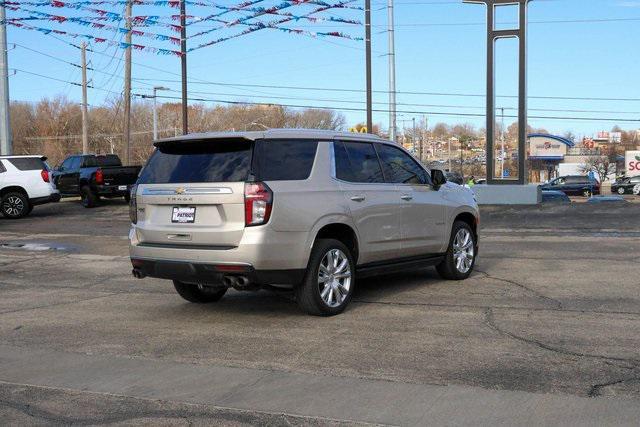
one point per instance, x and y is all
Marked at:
(441, 113)
(327, 89)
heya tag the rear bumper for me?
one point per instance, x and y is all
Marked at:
(259, 247)
(52, 198)
(213, 273)
(111, 191)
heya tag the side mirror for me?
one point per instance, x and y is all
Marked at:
(438, 178)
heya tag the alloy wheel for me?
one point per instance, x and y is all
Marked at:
(334, 278)
(463, 250)
(13, 206)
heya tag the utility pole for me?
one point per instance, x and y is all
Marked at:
(392, 74)
(85, 112)
(183, 60)
(127, 85)
(6, 147)
(367, 31)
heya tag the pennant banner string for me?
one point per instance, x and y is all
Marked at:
(260, 26)
(80, 21)
(121, 45)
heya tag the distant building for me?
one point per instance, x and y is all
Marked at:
(545, 153)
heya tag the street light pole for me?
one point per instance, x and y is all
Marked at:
(155, 110)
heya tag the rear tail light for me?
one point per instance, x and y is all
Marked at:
(99, 177)
(45, 175)
(133, 205)
(258, 203)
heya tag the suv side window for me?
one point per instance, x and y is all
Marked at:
(400, 168)
(357, 162)
(284, 160)
(2, 168)
(27, 163)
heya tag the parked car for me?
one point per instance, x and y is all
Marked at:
(574, 185)
(308, 210)
(94, 176)
(24, 183)
(625, 185)
(553, 196)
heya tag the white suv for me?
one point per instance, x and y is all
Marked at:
(311, 210)
(24, 183)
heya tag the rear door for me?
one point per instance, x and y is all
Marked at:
(373, 203)
(192, 194)
(422, 209)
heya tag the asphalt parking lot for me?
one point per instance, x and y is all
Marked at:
(546, 331)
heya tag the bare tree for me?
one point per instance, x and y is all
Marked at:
(602, 165)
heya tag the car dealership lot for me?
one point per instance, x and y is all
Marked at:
(548, 325)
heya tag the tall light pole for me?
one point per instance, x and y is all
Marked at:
(367, 32)
(6, 147)
(392, 74)
(155, 110)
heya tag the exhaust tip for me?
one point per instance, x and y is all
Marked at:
(229, 281)
(242, 281)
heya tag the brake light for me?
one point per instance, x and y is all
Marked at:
(258, 203)
(99, 177)
(45, 175)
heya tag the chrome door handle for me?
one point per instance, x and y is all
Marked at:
(406, 197)
(358, 198)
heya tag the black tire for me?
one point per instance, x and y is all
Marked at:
(621, 190)
(308, 293)
(15, 205)
(448, 268)
(586, 192)
(198, 294)
(88, 198)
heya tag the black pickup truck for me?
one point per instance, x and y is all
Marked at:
(94, 176)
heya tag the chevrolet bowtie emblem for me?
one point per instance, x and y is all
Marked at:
(180, 190)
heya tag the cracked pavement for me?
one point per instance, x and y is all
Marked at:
(553, 308)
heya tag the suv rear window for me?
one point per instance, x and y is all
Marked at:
(284, 160)
(199, 161)
(28, 163)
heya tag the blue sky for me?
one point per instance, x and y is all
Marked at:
(440, 48)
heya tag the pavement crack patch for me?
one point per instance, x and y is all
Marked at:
(60, 303)
(596, 389)
(489, 320)
(521, 286)
(242, 387)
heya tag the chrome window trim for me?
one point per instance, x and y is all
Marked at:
(186, 191)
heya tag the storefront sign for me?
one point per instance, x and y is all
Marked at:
(541, 147)
(632, 163)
